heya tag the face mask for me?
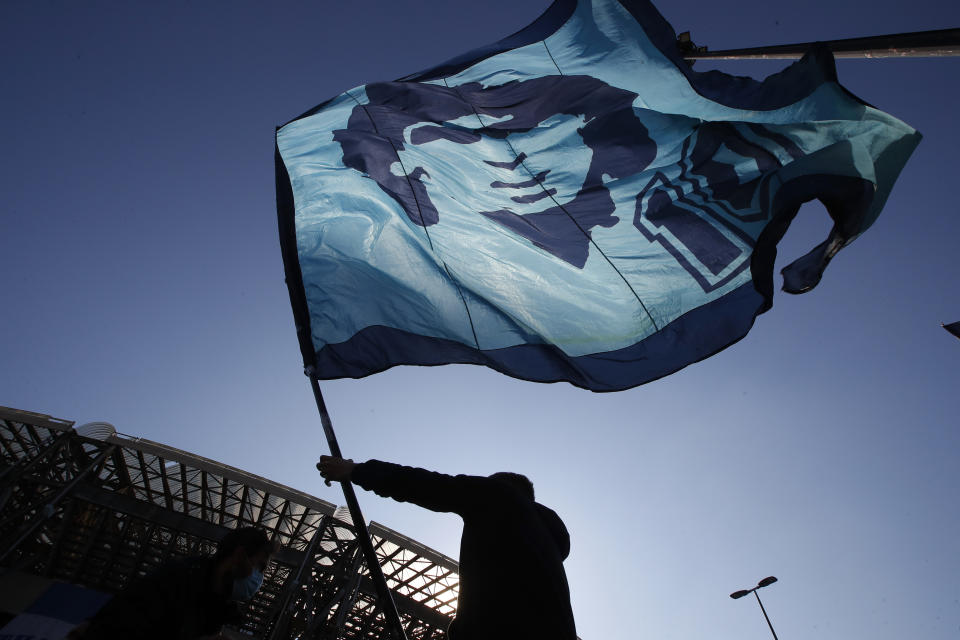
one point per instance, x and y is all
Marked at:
(244, 588)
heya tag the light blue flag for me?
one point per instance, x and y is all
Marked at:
(571, 203)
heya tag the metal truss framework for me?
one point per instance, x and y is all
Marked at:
(101, 512)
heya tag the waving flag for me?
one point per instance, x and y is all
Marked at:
(571, 203)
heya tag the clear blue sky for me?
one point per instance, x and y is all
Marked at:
(142, 285)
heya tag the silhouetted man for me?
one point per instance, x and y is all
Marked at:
(512, 582)
(187, 598)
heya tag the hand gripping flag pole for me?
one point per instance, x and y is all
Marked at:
(386, 602)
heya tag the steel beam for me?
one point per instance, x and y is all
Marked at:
(43, 513)
(190, 525)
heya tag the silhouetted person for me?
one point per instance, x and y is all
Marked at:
(186, 598)
(512, 582)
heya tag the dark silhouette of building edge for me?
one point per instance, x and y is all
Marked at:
(96, 508)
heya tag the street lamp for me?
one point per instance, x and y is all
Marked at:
(745, 592)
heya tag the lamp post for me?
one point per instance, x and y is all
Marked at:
(744, 592)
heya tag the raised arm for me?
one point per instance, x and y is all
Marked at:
(428, 489)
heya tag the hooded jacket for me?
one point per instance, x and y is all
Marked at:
(512, 582)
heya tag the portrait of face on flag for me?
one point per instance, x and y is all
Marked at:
(573, 203)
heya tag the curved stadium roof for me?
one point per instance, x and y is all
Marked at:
(96, 508)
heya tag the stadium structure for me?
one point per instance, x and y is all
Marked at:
(93, 508)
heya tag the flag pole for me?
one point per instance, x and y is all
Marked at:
(298, 301)
(916, 44)
(390, 612)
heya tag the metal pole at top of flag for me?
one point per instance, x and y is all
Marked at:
(917, 44)
(392, 616)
